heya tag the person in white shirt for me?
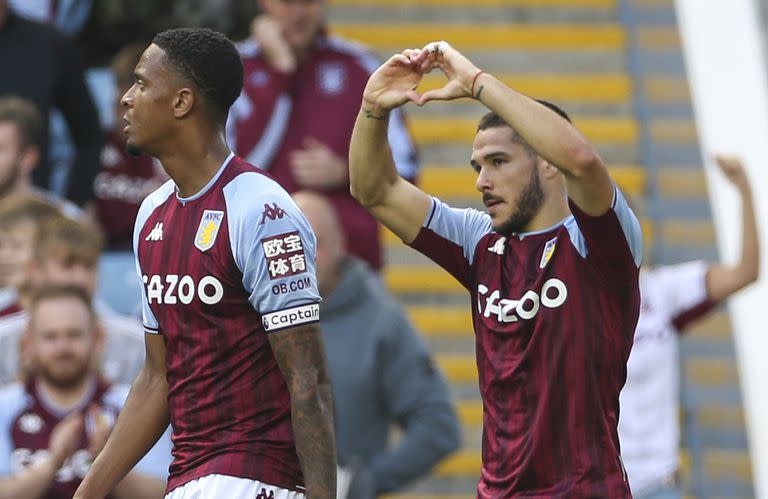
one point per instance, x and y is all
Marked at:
(672, 297)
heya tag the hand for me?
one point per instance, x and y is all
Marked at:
(459, 71)
(733, 169)
(65, 438)
(102, 427)
(269, 34)
(392, 84)
(317, 166)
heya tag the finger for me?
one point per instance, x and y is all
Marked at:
(444, 93)
(413, 96)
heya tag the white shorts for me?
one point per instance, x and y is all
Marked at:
(230, 487)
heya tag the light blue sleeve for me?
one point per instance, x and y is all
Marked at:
(463, 227)
(155, 463)
(13, 400)
(147, 207)
(274, 247)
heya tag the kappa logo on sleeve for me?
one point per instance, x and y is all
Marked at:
(284, 254)
(273, 212)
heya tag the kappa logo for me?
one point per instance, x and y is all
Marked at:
(210, 223)
(31, 423)
(273, 212)
(266, 494)
(156, 234)
(498, 246)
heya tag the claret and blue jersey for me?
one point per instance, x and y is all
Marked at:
(221, 271)
(554, 313)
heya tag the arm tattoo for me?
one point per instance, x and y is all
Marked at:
(369, 114)
(301, 358)
(479, 91)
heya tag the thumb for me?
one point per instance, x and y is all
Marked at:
(444, 93)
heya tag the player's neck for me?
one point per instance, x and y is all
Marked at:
(550, 214)
(192, 167)
(66, 398)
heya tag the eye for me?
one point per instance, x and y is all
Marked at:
(475, 167)
(498, 161)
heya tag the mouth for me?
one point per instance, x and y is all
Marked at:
(128, 123)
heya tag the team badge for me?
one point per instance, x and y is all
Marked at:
(549, 250)
(284, 254)
(31, 423)
(208, 229)
(331, 78)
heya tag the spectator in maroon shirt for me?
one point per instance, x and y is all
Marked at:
(294, 118)
(124, 180)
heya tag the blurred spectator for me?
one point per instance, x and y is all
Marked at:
(124, 180)
(301, 94)
(66, 252)
(19, 221)
(53, 425)
(43, 66)
(21, 135)
(68, 16)
(672, 298)
(381, 371)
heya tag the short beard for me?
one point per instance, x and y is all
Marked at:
(69, 381)
(528, 206)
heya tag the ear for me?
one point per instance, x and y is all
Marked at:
(183, 102)
(29, 159)
(546, 169)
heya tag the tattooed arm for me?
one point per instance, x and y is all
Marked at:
(300, 355)
(373, 178)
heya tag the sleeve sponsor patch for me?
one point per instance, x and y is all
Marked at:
(290, 317)
(284, 254)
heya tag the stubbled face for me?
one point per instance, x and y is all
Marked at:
(62, 341)
(508, 179)
(16, 253)
(148, 104)
(301, 20)
(10, 157)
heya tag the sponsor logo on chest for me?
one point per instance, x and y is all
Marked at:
(172, 289)
(552, 295)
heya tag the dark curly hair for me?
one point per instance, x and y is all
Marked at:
(209, 60)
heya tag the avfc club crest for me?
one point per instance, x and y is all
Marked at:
(549, 250)
(331, 78)
(208, 229)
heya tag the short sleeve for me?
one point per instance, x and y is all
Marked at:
(151, 325)
(274, 248)
(682, 289)
(449, 236)
(13, 400)
(613, 241)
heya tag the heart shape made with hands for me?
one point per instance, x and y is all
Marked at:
(440, 55)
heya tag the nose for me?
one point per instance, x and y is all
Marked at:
(482, 183)
(127, 100)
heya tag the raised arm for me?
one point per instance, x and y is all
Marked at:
(300, 355)
(142, 420)
(724, 280)
(373, 178)
(550, 135)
